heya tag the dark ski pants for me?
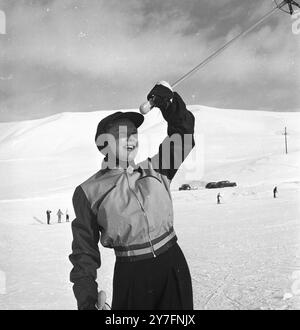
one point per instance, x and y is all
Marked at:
(161, 283)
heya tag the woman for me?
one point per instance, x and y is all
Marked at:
(128, 207)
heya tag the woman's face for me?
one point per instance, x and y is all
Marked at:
(126, 138)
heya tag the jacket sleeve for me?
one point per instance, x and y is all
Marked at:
(180, 140)
(85, 255)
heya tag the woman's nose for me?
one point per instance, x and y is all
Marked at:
(133, 138)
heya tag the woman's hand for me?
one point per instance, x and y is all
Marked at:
(161, 95)
(102, 305)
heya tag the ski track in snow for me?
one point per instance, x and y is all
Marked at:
(243, 261)
(242, 254)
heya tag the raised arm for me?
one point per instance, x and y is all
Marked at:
(180, 140)
(85, 255)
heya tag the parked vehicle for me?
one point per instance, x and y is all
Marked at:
(212, 185)
(220, 184)
(226, 184)
(185, 186)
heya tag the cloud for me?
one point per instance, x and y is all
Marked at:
(111, 52)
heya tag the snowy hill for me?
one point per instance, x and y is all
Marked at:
(243, 253)
(56, 153)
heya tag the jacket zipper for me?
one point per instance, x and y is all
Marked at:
(145, 214)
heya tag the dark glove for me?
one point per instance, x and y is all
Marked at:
(161, 96)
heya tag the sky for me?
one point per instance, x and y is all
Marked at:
(88, 55)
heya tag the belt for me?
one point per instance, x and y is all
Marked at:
(145, 251)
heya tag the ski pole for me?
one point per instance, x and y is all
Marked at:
(147, 106)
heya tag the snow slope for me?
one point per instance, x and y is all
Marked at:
(243, 253)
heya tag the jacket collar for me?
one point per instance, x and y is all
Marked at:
(106, 166)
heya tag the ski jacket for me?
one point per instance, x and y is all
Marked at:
(129, 210)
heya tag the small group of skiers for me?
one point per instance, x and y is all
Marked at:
(275, 192)
(59, 214)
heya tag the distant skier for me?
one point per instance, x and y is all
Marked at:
(67, 216)
(275, 192)
(48, 212)
(59, 214)
(219, 198)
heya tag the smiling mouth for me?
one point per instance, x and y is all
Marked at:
(130, 148)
